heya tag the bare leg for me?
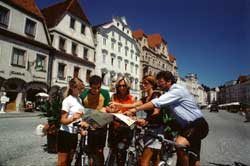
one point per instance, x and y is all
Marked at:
(183, 158)
(146, 156)
(62, 159)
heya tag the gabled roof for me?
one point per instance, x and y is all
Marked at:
(138, 34)
(155, 40)
(171, 58)
(53, 14)
(27, 5)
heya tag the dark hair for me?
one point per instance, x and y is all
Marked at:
(155, 94)
(167, 76)
(95, 80)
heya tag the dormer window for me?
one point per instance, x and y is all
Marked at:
(4, 17)
(74, 49)
(83, 27)
(72, 23)
(30, 27)
(62, 44)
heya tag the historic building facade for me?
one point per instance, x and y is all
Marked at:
(24, 52)
(117, 54)
(154, 55)
(197, 90)
(73, 53)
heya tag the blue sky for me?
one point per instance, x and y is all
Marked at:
(207, 37)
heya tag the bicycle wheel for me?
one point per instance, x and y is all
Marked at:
(131, 160)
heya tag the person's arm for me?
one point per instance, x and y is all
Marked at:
(65, 120)
(145, 107)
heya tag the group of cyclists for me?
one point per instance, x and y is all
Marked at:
(192, 127)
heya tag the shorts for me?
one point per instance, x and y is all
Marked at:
(97, 138)
(152, 142)
(66, 141)
(194, 133)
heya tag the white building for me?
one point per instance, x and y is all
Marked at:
(191, 83)
(117, 54)
(24, 52)
(72, 40)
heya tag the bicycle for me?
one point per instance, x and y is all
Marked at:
(119, 148)
(81, 154)
(166, 143)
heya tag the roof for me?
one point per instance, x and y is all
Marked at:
(155, 40)
(71, 6)
(27, 5)
(138, 34)
(171, 58)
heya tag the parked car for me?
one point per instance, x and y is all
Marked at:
(214, 108)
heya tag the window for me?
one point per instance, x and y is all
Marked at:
(72, 23)
(62, 44)
(76, 71)
(61, 71)
(88, 74)
(18, 57)
(112, 45)
(4, 16)
(112, 61)
(52, 38)
(83, 27)
(104, 58)
(119, 63)
(30, 27)
(104, 41)
(113, 34)
(126, 52)
(85, 53)
(74, 49)
(119, 37)
(126, 66)
(119, 48)
(40, 62)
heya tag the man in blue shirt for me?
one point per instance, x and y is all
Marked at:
(193, 127)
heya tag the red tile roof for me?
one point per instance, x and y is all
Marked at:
(54, 13)
(171, 58)
(28, 6)
(138, 34)
(155, 40)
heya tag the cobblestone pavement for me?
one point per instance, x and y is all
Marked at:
(227, 143)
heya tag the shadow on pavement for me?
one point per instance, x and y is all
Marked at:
(235, 164)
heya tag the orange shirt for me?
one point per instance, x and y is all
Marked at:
(128, 100)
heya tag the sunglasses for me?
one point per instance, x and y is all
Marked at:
(144, 83)
(124, 86)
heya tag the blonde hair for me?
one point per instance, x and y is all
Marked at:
(72, 83)
(127, 82)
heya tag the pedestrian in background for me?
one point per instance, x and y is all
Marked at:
(3, 100)
(72, 111)
(97, 99)
(186, 112)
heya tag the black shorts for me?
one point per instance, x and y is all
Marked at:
(194, 133)
(66, 142)
(97, 138)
